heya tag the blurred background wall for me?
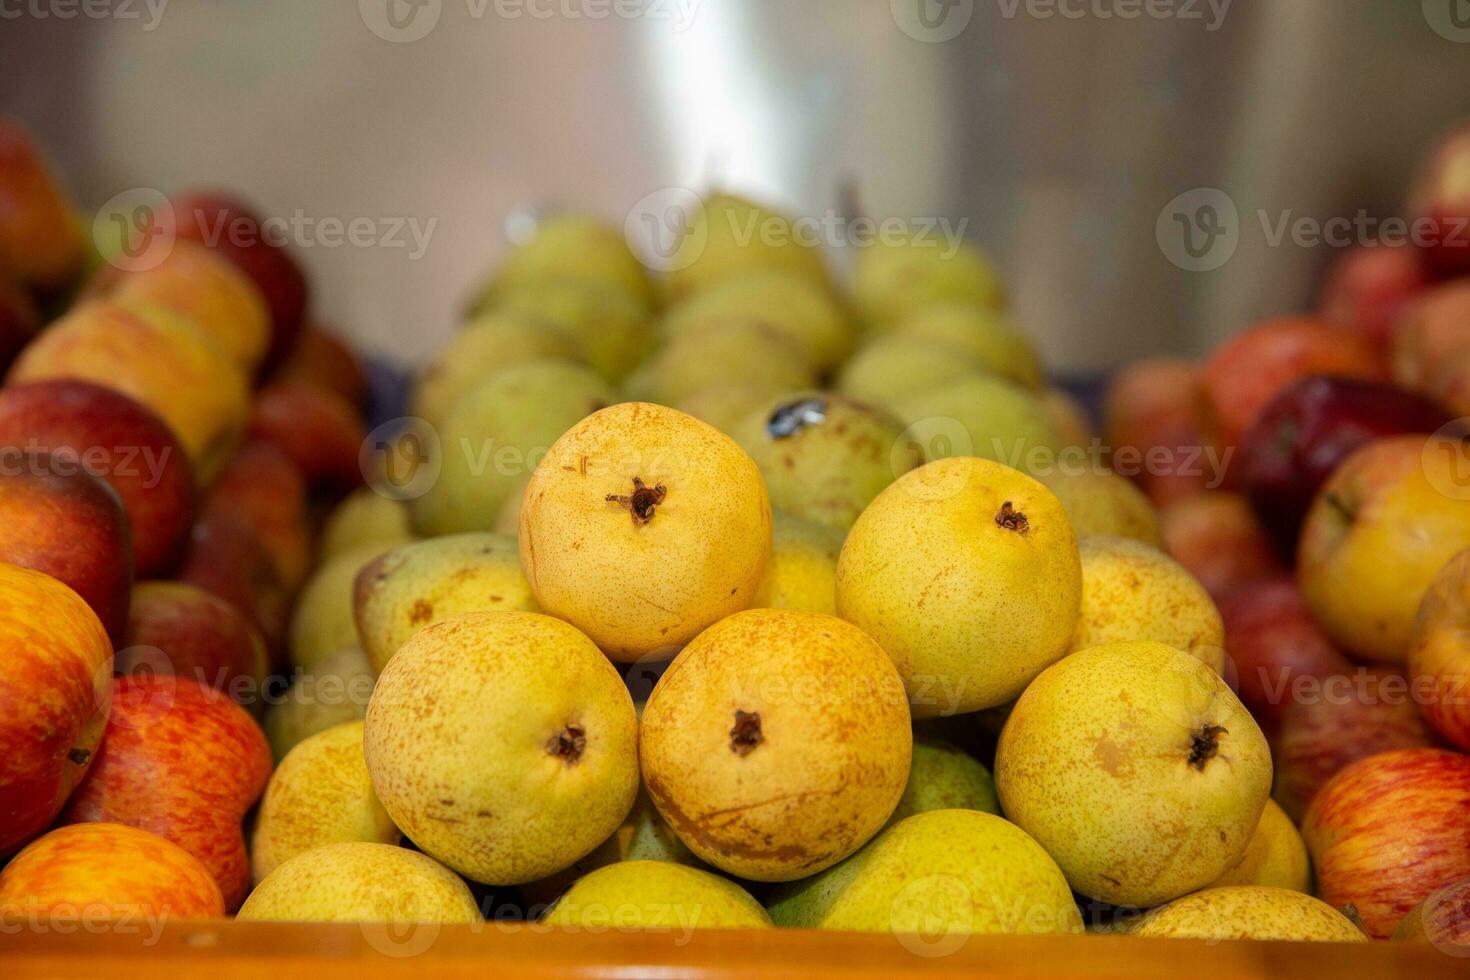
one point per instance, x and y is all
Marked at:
(1059, 129)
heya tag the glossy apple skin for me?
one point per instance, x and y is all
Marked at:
(1389, 830)
(324, 359)
(1440, 192)
(61, 520)
(1431, 349)
(120, 441)
(41, 242)
(180, 629)
(55, 693)
(230, 226)
(318, 429)
(264, 488)
(184, 762)
(1368, 287)
(1439, 654)
(1305, 433)
(19, 321)
(1247, 371)
(108, 871)
(226, 558)
(1216, 536)
(1272, 640)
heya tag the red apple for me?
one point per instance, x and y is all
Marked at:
(1216, 536)
(120, 441)
(106, 871)
(1440, 194)
(177, 628)
(318, 429)
(1368, 287)
(227, 558)
(1431, 350)
(1388, 831)
(59, 519)
(232, 227)
(55, 689)
(1442, 919)
(1439, 653)
(1150, 408)
(1307, 430)
(1247, 371)
(323, 359)
(19, 321)
(41, 241)
(183, 762)
(264, 488)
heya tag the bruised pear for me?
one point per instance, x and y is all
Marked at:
(776, 743)
(642, 526)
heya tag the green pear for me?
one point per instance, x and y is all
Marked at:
(504, 744)
(897, 278)
(576, 246)
(356, 881)
(1249, 912)
(1137, 769)
(729, 235)
(1100, 502)
(1131, 591)
(984, 335)
(981, 415)
(802, 573)
(791, 304)
(323, 621)
(824, 457)
(656, 896)
(414, 585)
(320, 794)
(365, 517)
(485, 346)
(744, 352)
(933, 875)
(335, 690)
(610, 327)
(944, 777)
(1276, 855)
(887, 369)
(495, 435)
(726, 405)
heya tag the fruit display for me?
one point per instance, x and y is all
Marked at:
(748, 595)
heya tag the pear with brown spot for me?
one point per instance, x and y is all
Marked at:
(1250, 912)
(642, 526)
(1137, 769)
(503, 744)
(777, 743)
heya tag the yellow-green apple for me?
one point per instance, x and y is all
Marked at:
(55, 691)
(1383, 524)
(1388, 831)
(1137, 769)
(227, 558)
(1439, 653)
(184, 762)
(19, 321)
(1216, 535)
(177, 628)
(1442, 919)
(100, 871)
(323, 359)
(63, 521)
(1368, 286)
(41, 242)
(156, 357)
(263, 487)
(118, 440)
(1440, 193)
(317, 428)
(1431, 346)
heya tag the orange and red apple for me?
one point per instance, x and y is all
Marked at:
(177, 628)
(41, 241)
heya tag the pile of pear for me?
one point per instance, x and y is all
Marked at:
(742, 599)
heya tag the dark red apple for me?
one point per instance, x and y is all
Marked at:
(317, 428)
(120, 441)
(19, 321)
(263, 487)
(1303, 433)
(324, 359)
(1440, 195)
(227, 558)
(1368, 286)
(180, 629)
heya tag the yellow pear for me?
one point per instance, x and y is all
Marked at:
(776, 743)
(896, 278)
(1276, 855)
(642, 526)
(938, 874)
(503, 744)
(333, 691)
(981, 415)
(887, 369)
(967, 573)
(322, 621)
(1101, 502)
(1137, 769)
(578, 246)
(984, 335)
(725, 405)
(656, 896)
(365, 517)
(320, 794)
(944, 777)
(485, 346)
(728, 236)
(358, 881)
(746, 351)
(403, 590)
(1131, 591)
(609, 326)
(1250, 912)
(789, 303)
(803, 570)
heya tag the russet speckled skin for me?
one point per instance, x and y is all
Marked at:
(359, 881)
(657, 895)
(55, 694)
(1131, 591)
(1137, 769)
(641, 588)
(1250, 912)
(462, 741)
(110, 871)
(426, 582)
(1275, 857)
(1102, 502)
(1388, 830)
(970, 610)
(820, 767)
(802, 573)
(184, 762)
